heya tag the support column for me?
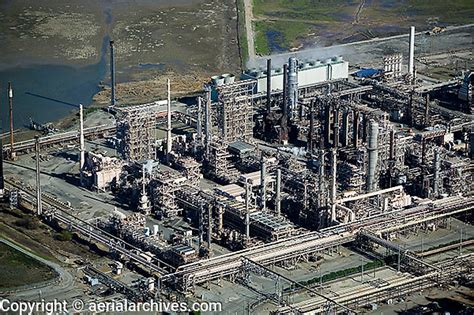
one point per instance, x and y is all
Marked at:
(269, 85)
(168, 125)
(411, 53)
(207, 113)
(199, 120)
(263, 184)
(333, 183)
(247, 211)
(112, 74)
(10, 105)
(81, 144)
(39, 208)
(278, 193)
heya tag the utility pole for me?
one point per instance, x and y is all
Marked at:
(81, 143)
(10, 105)
(39, 207)
(168, 128)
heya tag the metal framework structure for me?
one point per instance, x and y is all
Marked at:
(136, 130)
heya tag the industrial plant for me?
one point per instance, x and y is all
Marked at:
(263, 174)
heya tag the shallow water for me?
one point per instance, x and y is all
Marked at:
(49, 92)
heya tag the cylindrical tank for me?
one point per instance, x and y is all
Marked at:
(292, 85)
(220, 81)
(229, 79)
(373, 155)
(214, 80)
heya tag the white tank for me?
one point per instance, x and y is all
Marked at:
(229, 79)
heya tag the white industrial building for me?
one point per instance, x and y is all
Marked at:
(308, 73)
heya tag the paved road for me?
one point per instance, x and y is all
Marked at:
(248, 27)
(55, 290)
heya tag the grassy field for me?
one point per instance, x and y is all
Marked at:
(286, 24)
(19, 269)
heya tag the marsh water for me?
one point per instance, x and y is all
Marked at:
(48, 92)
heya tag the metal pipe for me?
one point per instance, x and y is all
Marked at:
(39, 208)
(10, 105)
(311, 129)
(263, 191)
(269, 85)
(285, 92)
(278, 193)
(247, 210)
(333, 183)
(209, 226)
(411, 52)
(112, 73)
(336, 128)
(199, 120)
(168, 126)
(201, 224)
(392, 145)
(81, 143)
(2, 183)
(207, 113)
(355, 136)
(436, 172)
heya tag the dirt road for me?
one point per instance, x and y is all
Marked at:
(249, 28)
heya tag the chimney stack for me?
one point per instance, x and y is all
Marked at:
(269, 85)
(411, 61)
(112, 73)
(10, 105)
(81, 143)
(39, 208)
(168, 126)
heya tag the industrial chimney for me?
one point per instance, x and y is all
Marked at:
(411, 53)
(112, 73)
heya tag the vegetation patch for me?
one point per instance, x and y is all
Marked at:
(339, 274)
(278, 35)
(19, 269)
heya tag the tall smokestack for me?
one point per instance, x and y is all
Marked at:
(411, 53)
(263, 175)
(207, 121)
(10, 105)
(168, 126)
(373, 155)
(199, 120)
(269, 85)
(311, 129)
(112, 73)
(39, 207)
(81, 143)
(285, 91)
(2, 184)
